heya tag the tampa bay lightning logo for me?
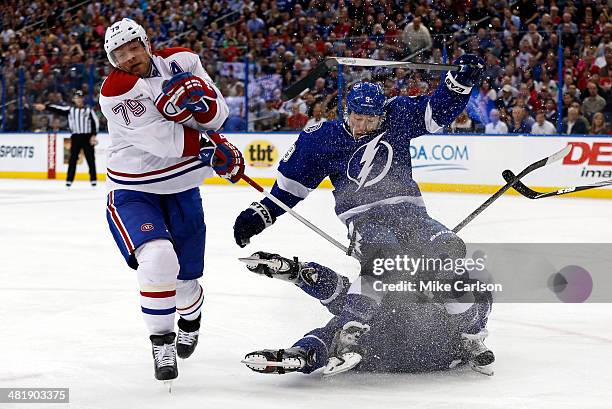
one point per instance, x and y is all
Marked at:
(375, 155)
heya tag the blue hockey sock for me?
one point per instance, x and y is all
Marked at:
(326, 285)
(312, 342)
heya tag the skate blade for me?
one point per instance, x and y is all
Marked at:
(254, 261)
(259, 364)
(485, 370)
(337, 366)
(168, 384)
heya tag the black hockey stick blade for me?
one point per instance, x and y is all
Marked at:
(521, 188)
(308, 81)
(535, 165)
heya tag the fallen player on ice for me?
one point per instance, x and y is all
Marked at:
(405, 334)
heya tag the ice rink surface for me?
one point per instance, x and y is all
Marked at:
(70, 316)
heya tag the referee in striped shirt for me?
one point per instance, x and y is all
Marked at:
(83, 124)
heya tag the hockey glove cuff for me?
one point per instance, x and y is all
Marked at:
(462, 81)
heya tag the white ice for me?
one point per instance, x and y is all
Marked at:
(70, 316)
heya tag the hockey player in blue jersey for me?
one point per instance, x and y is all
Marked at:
(367, 158)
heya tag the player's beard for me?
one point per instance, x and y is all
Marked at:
(146, 72)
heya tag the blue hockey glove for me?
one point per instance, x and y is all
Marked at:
(252, 221)
(472, 68)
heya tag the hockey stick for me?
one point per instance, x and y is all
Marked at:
(294, 214)
(535, 165)
(532, 194)
(367, 62)
(323, 68)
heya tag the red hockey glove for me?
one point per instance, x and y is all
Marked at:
(192, 93)
(226, 160)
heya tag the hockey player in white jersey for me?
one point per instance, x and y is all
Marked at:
(162, 110)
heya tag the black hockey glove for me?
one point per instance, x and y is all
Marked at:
(252, 221)
(472, 68)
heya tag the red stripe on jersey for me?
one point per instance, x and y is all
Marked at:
(153, 172)
(158, 294)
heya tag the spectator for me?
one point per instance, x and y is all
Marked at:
(392, 43)
(56, 125)
(550, 111)
(317, 116)
(416, 36)
(485, 100)
(462, 124)
(572, 124)
(506, 100)
(268, 117)
(255, 24)
(495, 126)
(237, 111)
(599, 125)
(297, 120)
(542, 126)
(518, 123)
(581, 117)
(42, 123)
(492, 70)
(319, 91)
(594, 102)
(533, 38)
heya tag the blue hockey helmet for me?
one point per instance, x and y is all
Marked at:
(366, 98)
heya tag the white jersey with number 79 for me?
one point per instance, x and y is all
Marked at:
(154, 144)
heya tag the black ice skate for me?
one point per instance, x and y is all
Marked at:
(279, 361)
(479, 357)
(275, 266)
(164, 357)
(187, 339)
(345, 353)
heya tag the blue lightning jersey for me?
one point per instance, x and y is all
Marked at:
(370, 172)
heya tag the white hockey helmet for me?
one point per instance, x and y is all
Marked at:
(122, 32)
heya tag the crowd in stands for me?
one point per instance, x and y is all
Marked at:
(54, 47)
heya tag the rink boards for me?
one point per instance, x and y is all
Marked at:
(450, 163)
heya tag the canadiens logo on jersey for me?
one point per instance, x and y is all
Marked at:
(370, 163)
(147, 227)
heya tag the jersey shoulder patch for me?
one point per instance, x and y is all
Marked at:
(167, 52)
(311, 137)
(313, 128)
(118, 83)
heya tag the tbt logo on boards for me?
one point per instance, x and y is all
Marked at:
(261, 154)
(596, 154)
